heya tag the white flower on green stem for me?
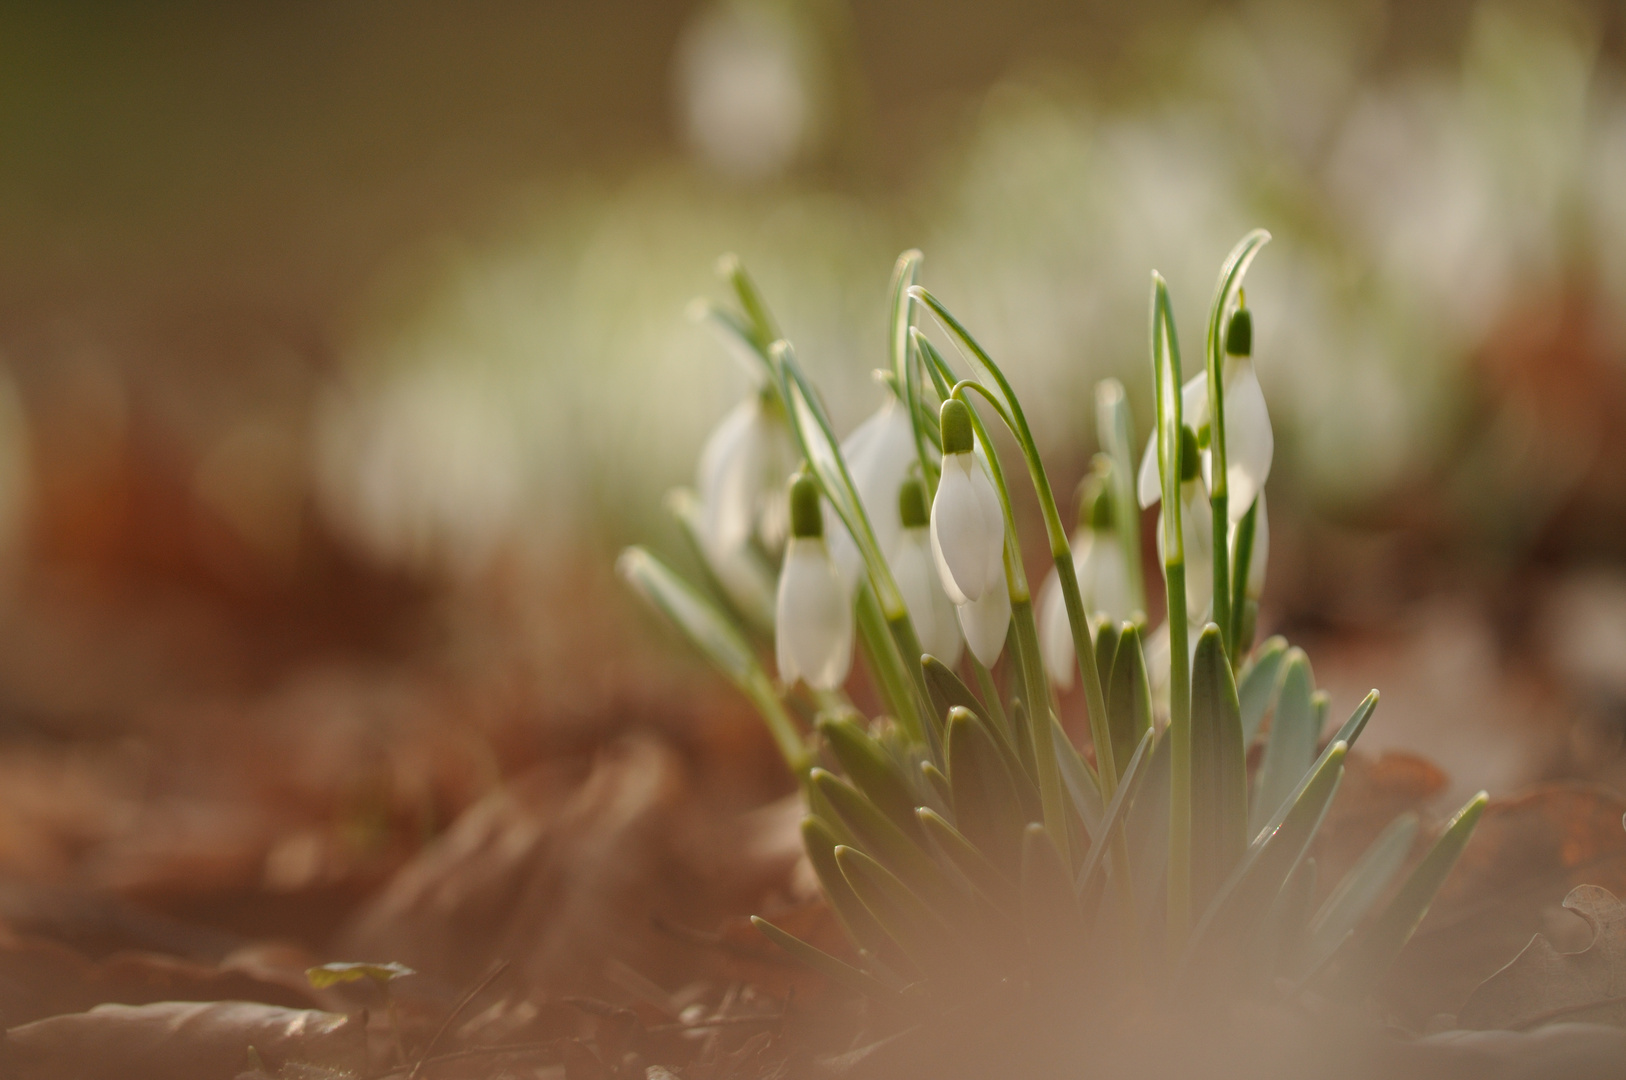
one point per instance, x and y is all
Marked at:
(878, 453)
(1103, 580)
(1197, 533)
(967, 524)
(743, 469)
(1250, 444)
(913, 567)
(986, 620)
(813, 618)
(1103, 588)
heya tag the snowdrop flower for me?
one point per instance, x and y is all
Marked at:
(742, 474)
(986, 620)
(878, 453)
(967, 525)
(910, 557)
(1197, 533)
(813, 619)
(1249, 442)
(1103, 582)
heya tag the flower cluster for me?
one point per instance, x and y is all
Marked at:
(962, 838)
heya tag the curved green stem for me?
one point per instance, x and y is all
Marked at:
(1225, 293)
(1061, 551)
(1166, 376)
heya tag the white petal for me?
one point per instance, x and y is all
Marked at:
(1194, 401)
(878, 455)
(813, 620)
(1249, 442)
(843, 548)
(1149, 484)
(985, 622)
(741, 482)
(1056, 633)
(945, 577)
(968, 530)
(1197, 525)
(726, 497)
(1103, 578)
(930, 609)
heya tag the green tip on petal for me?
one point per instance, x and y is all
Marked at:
(1190, 461)
(1239, 334)
(806, 518)
(912, 507)
(955, 419)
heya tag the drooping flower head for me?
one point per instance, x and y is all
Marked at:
(1250, 444)
(813, 616)
(914, 569)
(878, 453)
(741, 481)
(967, 525)
(1103, 577)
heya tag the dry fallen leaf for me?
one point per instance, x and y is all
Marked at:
(1527, 852)
(1542, 985)
(196, 1040)
(561, 871)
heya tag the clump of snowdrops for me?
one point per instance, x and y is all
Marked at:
(965, 844)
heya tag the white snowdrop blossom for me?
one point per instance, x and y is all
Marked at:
(878, 454)
(743, 469)
(968, 527)
(1250, 444)
(913, 567)
(813, 617)
(986, 620)
(1197, 532)
(1103, 588)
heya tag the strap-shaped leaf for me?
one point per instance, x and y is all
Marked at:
(1129, 694)
(872, 770)
(836, 970)
(717, 639)
(1279, 944)
(1352, 728)
(948, 691)
(1290, 747)
(920, 932)
(1050, 911)
(1253, 886)
(939, 784)
(1146, 824)
(1219, 771)
(820, 842)
(1107, 636)
(952, 846)
(1256, 689)
(1078, 779)
(986, 806)
(1128, 790)
(878, 836)
(1373, 951)
(1360, 888)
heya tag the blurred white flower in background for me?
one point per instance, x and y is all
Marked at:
(426, 473)
(745, 89)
